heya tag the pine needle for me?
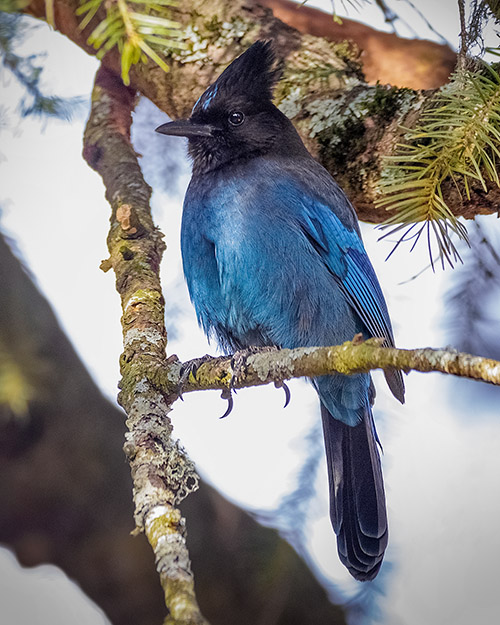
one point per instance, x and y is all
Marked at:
(458, 139)
(138, 28)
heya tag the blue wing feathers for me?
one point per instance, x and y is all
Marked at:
(346, 258)
(289, 271)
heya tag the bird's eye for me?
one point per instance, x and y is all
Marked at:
(236, 118)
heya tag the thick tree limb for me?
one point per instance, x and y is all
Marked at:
(355, 356)
(386, 58)
(348, 125)
(161, 472)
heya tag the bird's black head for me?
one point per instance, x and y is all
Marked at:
(235, 117)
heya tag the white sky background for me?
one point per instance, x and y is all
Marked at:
(442, 470)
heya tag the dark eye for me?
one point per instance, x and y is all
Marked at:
(236, 118)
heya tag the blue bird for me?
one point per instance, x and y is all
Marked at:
(273, 256)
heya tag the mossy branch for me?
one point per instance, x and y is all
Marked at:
(162, 473)
(356, 356)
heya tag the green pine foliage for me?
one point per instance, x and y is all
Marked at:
(138, 28)
(457, 139)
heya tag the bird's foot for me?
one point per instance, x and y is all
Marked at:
(238, 365)
(190, 368)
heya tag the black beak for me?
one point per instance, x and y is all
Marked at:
(186, 128)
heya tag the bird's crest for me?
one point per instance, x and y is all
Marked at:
(252, 75)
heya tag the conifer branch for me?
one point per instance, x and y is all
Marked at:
(137, 28)
(457, 140)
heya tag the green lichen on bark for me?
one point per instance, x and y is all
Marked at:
(350, 129)
(357, 356)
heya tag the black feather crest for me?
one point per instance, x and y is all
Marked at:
(253, 75)
(253, 72)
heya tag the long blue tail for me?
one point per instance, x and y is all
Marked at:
(357, 497)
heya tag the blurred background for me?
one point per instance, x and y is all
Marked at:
(441, 450)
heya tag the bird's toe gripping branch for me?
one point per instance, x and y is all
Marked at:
(238, 366)
(239, 359)
(190, 368)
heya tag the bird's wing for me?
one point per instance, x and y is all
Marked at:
(342, 251)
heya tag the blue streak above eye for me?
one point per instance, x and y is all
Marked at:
(206, 98)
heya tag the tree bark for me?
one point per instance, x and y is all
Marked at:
(349, 125)
(385, 57)
(260, 367)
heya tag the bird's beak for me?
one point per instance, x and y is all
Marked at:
(186, 128)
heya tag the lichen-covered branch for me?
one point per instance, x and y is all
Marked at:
(162, 474)
(355, 356)
(348, 125)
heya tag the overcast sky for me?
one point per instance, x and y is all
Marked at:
(441, 467)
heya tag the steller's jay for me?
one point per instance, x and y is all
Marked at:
(273, 256)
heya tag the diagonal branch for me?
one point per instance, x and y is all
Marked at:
(386, 57)
(161, 472)
(348, 125)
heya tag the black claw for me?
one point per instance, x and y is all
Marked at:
(226, 394)
(288, 395)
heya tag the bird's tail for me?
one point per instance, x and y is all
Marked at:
(357, 498)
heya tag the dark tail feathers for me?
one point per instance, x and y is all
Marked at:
(357, 498)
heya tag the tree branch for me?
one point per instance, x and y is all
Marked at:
(356, 356)
(348, 125)
(161, 472)
(386, 58)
